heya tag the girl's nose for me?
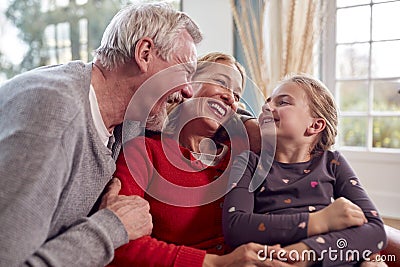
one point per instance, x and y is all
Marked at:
(267, 107)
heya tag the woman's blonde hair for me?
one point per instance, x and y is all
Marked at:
(218, 56)
(322, 105)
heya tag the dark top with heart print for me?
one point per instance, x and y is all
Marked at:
(276, 212)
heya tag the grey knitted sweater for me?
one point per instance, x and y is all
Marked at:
(53, 167)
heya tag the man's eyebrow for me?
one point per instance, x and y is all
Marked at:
(190, 67)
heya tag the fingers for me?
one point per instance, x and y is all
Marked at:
(114, 187)
(266, 255)
(352, 211)
(133, 211)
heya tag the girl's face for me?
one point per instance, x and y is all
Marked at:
(286, 113)
(217, 91)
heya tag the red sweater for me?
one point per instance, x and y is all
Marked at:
(181, 236)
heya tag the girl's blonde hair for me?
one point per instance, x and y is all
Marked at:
(322, 105)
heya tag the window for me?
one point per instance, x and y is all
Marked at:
(67, 30)
(366, 73)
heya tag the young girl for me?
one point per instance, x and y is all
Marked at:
(306, 198)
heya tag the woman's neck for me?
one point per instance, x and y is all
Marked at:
(200, 142)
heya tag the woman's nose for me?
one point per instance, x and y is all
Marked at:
(228, 98)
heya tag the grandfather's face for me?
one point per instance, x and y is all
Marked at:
(167, 77)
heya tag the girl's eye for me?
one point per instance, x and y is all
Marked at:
(282, 102)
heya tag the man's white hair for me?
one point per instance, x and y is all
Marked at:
(158, 21)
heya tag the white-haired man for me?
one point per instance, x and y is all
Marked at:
(56, 135)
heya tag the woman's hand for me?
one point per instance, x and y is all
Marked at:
(339, 215)
(247, 255)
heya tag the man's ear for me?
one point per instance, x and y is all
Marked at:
(143, 53)
(317, 126)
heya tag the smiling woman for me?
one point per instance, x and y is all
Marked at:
(182, 175)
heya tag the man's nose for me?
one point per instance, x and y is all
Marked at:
(187, 91)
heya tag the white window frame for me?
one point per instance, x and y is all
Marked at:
(377, 168)
(328, 69)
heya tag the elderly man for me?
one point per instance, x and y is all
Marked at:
(56, 131)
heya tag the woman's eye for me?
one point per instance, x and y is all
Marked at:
(221, 82)
(236, 96)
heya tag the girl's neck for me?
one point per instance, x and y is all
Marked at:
(286, 154)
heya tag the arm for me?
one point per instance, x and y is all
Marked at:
(34, 170)
(348, 186)
(241, 225)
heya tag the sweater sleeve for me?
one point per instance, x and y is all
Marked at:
(241, 225)
(348, 242)
(134, 169)
(34, 170)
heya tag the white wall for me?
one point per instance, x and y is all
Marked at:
(380, 175)
(214, 18)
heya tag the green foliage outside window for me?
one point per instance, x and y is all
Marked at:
(32, 17)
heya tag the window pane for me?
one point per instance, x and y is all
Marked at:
(64, 55)
(62, 3)
(81, 2)
(52, 57)
(49, 36)
(385, 15)
(63, 39)
(381, 1)
(353, 95)
(386, 95)
(386, 132)
(353, 131)
(353, 24)
(352, 61)
(385, 59)
(83, 31)
(343, 3)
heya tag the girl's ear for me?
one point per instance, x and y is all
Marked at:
(143, 53)
(317, 126)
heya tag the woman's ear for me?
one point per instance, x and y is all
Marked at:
(317, 126)
(143, 52)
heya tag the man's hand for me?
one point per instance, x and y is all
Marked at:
(133, 211)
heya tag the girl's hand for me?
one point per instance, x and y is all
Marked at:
(339, 215)
(247, 255)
